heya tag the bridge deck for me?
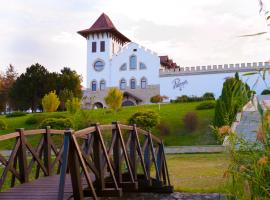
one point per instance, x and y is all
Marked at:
(42, 188)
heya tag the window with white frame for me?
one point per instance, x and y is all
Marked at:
(123, 84)
(133, 83)
(123, 67)
(143, 83)
(142, 65)
(133, 62)
(102, 85)
(94, 86)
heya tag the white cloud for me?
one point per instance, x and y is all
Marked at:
(194, 32)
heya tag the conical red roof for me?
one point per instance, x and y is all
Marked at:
(103, 24)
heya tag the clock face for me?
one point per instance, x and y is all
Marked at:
(99, 65)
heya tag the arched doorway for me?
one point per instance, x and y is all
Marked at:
(97, 105)
(128, 103)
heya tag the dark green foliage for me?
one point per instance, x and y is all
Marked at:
(185, 98)
(144, 119)
(264, 92)
(57, 123)
(235, 94)
(31, 86)
(16, 114)
(208, 95)
(3, 125)
(191, 121)
(206, 105)
(82, 119)
(39, 117)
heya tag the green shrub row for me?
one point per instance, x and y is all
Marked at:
(16, 114)
(185, 98)
(206, 105)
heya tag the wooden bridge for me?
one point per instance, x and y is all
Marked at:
(102, 160)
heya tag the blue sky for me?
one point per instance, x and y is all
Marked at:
(194, 32)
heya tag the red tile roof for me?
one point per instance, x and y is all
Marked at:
(167, 63)
(101, 25)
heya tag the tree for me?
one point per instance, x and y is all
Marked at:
(30, 87)
(73, 105)
(158, 99)
(114, 99)
(64, 96)
(6, 81)
(50, 102)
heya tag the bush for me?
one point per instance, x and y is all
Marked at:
(82, 119)
(16, 114)
(50, 102)
(163, 128)
(185, 98)
(73, 105)
(265, 92)
(191, 121)
(39, 117)
(114, 99)
(56, 123)
(3, 125)
(206, 105)
(144, 119)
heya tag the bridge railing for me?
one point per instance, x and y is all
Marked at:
(25, 159)
(113, 159)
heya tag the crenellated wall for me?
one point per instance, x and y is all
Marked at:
(214, 69)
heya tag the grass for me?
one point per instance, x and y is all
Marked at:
(171, 114)
(198, 172)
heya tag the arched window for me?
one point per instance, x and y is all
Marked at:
(99, 65)
(142, 65)
(123, 84)
(123, 67)
(94, 86)
(133, 83)
(143, 83)
(102, 85)
(133, 62)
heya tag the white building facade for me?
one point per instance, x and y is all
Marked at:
(114, 61)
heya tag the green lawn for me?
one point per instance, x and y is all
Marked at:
(172, 114)
(198, 172)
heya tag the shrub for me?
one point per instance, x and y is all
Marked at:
(206, 105)
(32, 120)
(57, 123)
(191, 121)
(163, 128)
(73, 105)
(264, 92)
(50, 102)
(158, 99)
(82, 119)
(144, 119)
(185, 98)
(114, 99)
(3, 125)
(16, 114)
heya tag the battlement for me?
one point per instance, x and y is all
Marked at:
(212, 69)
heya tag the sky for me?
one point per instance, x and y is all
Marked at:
(193, 32)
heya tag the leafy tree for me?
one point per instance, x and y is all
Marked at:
(30, 87)
(158, 99)
(147, 119)
(114, 99)
(6, 82)
(64, 96)
(235, 94)
(208, 95)
(73, 105)
(264, 92)
(50, 102)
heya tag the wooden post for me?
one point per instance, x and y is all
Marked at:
(147, 155)
(47, 151)
(117, 155)
(74, 167)
(133, 154)
(22, 157)
(64, 165)
(98, 160)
